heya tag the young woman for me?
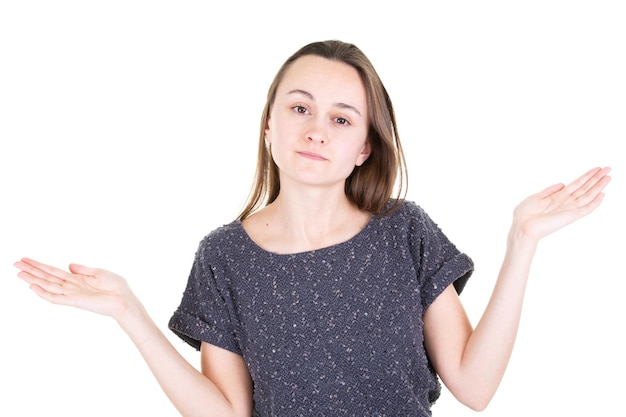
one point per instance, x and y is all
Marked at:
(330, 294)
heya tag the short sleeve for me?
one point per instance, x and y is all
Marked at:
(203, 313)
(438, 261)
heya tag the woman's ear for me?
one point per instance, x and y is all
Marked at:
(364, 154)
(267, 131)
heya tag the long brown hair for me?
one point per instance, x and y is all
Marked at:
(371, 185)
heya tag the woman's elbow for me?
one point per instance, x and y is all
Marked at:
(475, 400)
(477, 405)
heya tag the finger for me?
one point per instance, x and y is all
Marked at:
(550, 190)
(35, 270)
(48, 269)
(40, 279)
(585, 182)
(591, 206)
(51, 297)
(593, 192)
(52, 288)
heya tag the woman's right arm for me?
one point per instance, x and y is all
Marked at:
(223, 388)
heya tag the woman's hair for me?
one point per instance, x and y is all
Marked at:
(371, 185)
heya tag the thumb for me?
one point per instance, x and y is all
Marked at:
(82, 270)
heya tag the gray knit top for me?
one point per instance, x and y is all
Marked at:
(336, 331)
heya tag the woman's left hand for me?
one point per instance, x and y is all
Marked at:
(559, 205)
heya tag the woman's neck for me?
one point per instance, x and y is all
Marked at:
(298, 223)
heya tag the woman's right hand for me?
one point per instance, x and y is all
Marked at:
(96, 290)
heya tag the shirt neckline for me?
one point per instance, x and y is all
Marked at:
(351, 240)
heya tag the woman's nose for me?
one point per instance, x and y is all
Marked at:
(317, 132)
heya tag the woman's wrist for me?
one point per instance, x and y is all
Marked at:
(520, 239)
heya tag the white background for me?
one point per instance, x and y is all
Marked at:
(128, 130)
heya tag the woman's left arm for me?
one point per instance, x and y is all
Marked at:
(471, 362)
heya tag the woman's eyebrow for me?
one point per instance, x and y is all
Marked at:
(303, 92)
(310, 97)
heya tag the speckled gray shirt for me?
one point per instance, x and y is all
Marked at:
(336, 331)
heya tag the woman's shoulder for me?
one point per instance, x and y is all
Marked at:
(409, 217)
(225, 236)
(405, 210)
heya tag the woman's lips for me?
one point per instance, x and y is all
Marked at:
(312, 155)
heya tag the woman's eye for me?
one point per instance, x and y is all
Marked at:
(342, 121)
(300, 109)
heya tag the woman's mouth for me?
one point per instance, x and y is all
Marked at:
(312, 155)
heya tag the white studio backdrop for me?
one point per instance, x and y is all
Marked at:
(128, 131)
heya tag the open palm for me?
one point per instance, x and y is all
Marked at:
(96, 290)
(559, 205)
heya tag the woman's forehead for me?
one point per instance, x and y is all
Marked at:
(324, 77)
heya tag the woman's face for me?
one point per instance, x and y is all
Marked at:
(318, 123)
